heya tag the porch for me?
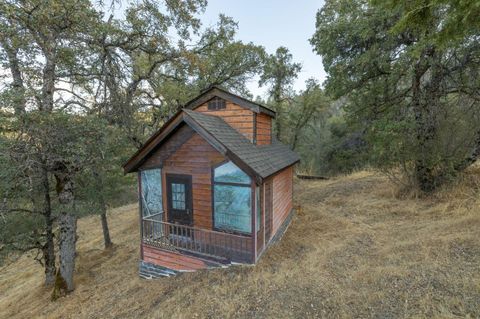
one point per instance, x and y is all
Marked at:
(219, 246)
(212, 213)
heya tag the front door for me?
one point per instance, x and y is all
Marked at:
(179, 198)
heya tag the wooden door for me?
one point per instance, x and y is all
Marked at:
(268, 210)
(179, 198)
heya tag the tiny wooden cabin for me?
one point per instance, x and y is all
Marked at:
(215, 187)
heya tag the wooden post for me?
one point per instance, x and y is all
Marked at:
(254, 223)
(140, 212)
(254, 139)
(262, 199)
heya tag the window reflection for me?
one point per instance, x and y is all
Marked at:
(151, 192)
(230, 173)
(232, 199)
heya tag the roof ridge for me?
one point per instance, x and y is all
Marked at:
(207, 94)
(258, 161)
(188, 111)
(220, 118)
(276, 143)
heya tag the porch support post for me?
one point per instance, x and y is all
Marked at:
(254, 222)
(262, 200)
(139, 176)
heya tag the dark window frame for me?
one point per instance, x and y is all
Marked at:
(140, 189)
(189, 203)
(213, 182)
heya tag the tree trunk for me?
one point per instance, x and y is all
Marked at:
(103, 209)
(49, 246)
(279, 116)
(68, 231)
(425, 106)
(18, 87)
(278, 125)
(48, 87)
(68, 236)
(106, 233)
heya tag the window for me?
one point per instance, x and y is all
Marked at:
(151, 192)
(216, 104)
(230, 173)
(178, 196)
(232, 196)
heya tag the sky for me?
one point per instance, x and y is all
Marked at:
(274, 23)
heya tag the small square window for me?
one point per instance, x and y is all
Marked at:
(216, 104)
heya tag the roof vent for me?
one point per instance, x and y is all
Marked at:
(216, 104)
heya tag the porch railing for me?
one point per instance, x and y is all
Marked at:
(206, 242)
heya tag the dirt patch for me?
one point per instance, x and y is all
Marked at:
(354, 250)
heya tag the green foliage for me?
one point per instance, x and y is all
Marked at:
(83, 90)
(102, 181)
(19, 229)
(329, 146)
(217, 59)
(458, 18)
(278, 73)
(304, 110)
(403, 84)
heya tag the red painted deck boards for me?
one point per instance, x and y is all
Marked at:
(171, 259)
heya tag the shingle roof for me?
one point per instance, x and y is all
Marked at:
(264, 160)
(218, 91)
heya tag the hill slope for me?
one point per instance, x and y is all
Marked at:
(353, 250)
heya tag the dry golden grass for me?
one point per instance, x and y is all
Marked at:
(353, 250)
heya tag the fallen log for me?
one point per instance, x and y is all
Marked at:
(311, 177)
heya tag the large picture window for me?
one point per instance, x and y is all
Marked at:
(232, 199)
(151, 193)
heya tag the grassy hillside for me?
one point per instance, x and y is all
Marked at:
(353, 250)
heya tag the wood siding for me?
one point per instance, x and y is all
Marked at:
(185, 152)
(282, 184)
(171, 259)
(236, 116)
(182, 135)
(261, 232)
(268, 210)
(264, 129)
(196, 158)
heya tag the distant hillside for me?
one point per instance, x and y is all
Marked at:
(353, 250)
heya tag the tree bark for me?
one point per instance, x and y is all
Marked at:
(279, 116)
(425, 101)
(68, 231)
(19, 104)
(49, 246)
(64, 280)
(18, 88)
(106, 233)
(48, 87)
(103, 210)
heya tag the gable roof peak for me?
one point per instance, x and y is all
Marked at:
(216, 90)
(260, 162)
